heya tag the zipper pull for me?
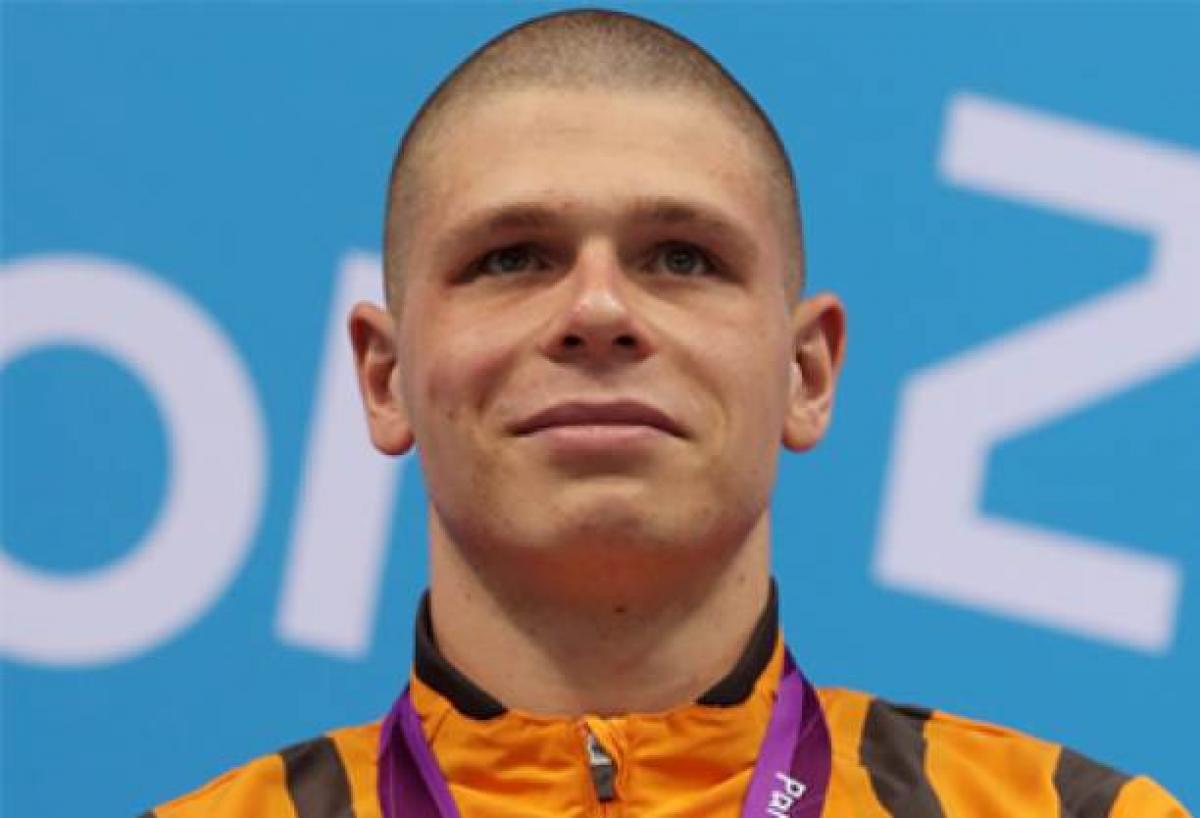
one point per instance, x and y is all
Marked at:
(603, 768)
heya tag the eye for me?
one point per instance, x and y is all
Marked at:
(684, 260)
(506, 261)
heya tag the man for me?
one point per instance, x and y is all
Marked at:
(595, 338)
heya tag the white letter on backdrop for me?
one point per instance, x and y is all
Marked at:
(333, 576)
(204, 529)
(934, 540)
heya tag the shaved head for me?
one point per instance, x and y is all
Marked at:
(584, 50)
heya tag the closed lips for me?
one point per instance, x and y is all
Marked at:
(619, 413)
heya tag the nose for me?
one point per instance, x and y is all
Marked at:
(597, 323)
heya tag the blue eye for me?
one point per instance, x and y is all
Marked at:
(507, 260)
(685, 260)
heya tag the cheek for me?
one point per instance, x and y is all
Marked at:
(455, 368)
(754, 371)
(763, 388)
(753, 365)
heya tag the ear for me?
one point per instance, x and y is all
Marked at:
(376, 362)
(819, 333)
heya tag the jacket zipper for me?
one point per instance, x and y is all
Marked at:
(604, 772)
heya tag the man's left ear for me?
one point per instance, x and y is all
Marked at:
(819, 340)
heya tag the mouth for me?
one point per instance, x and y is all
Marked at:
(628, 414)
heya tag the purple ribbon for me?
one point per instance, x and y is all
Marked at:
(410, 783)
(789, 780)
(792, 772)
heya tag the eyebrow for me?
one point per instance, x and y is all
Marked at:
(643, 210)
(669, 211)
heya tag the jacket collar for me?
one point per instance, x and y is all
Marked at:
(436, 672)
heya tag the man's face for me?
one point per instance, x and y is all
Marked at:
(596, 346)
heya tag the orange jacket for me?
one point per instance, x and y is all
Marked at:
(694, 761)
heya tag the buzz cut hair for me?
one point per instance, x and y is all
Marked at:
(585, 49)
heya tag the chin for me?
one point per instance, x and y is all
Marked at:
(608, 525)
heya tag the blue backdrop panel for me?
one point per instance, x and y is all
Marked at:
(1004, 521)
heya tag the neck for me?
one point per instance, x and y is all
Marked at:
(642, 638)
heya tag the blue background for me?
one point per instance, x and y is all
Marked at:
(239, 151)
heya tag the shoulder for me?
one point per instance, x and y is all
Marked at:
(330, 776)
(906, 754)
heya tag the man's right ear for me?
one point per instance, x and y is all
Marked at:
(377, 364)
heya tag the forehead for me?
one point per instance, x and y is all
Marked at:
(593, 154)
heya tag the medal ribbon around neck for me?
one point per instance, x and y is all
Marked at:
(790, 777)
